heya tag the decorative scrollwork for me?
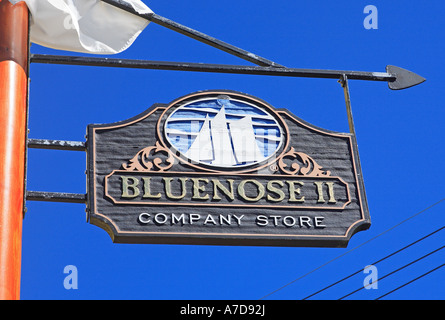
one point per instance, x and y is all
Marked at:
(154, 158)
(302, 165)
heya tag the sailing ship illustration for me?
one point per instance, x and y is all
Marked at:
(225, 139)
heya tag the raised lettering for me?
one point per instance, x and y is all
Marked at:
(238, 219)
(293, 191)
(331, 192)
(194, 217)
(318, 222)
(176, 219)
(261, 221)
(126, 186)
(147, 189)
(305, 221)
(168, 188)
(210, 219)
(144, 218)
(275, 190)
(224, 219)
(319, 185)
(160, 218)
(330, 185)
(197, 188)
(242, 191)
(289, 221)
(275, 219)
(218, 185)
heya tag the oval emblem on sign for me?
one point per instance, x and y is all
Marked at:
(223, 131)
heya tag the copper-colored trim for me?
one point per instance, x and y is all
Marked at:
(231, 205)
(343, 135)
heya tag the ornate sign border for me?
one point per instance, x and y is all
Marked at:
(159, 158)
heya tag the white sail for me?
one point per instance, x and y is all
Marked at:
(244, 143)
(222, 145)
(225, 142)
(201, 148)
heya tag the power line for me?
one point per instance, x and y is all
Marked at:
(376, 262)
(397, 270)
(360, 245)
(415, 279)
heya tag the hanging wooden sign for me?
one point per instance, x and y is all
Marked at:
(224, 168)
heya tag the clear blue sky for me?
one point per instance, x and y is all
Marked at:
(400, 138)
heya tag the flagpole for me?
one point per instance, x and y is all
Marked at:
(14, 51)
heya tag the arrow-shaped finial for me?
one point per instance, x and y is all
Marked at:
(404, 78)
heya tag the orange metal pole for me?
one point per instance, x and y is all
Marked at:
(14, 51)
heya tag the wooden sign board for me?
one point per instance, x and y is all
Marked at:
(224, 168)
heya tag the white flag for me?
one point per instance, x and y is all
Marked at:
(89, 26)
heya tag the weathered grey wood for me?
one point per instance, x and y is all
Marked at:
(111, 146)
